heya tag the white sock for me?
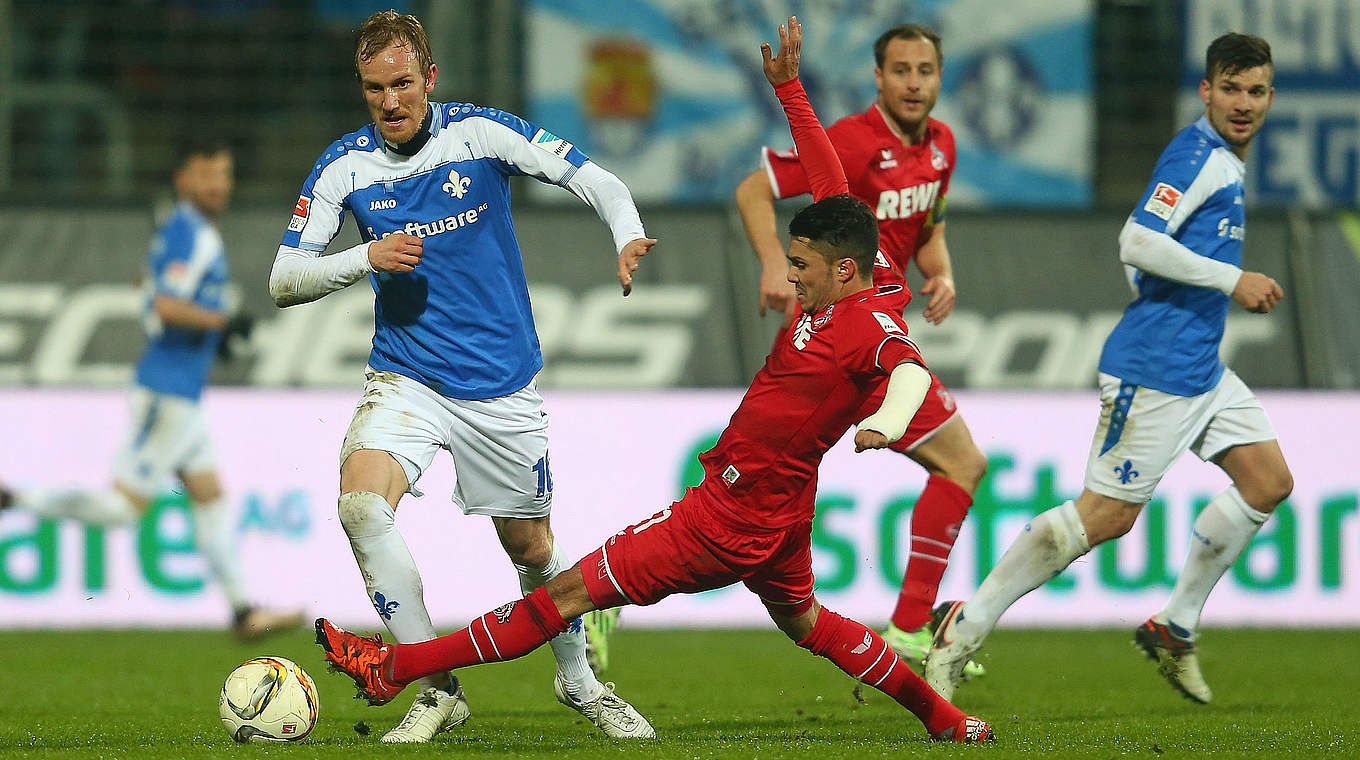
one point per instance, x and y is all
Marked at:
(569, 647)
(1221, 532)
(107, 507)
(390, 575)
(1049, 543)
(217, 543)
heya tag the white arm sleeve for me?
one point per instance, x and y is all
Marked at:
(907, 386)
(611, 200)
(1160, 254)
(302, 276)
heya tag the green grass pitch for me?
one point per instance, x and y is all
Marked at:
(710, 694)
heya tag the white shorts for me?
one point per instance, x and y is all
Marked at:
(499, 445)
(1142, 432)
(168, 436)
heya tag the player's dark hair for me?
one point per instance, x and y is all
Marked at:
(845, 225)
(1235, 52)
(908, 32)
(386, 28)
(199, 146)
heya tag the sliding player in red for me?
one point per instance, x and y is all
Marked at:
(750, 520)
(899, 160)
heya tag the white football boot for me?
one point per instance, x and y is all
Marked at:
(1176, 659)
(949, 654)
(615, 717)
(914, 646)
(434, 711)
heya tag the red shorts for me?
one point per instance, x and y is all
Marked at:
(684, 549)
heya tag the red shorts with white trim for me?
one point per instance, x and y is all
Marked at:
(685, 549)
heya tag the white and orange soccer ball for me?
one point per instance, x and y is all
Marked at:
(268, 699)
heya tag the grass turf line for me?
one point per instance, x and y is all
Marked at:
(710, 694)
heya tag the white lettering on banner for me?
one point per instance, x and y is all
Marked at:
(57, 360)
(611, 342)
(1313, 36)
(1068, 346)
(1309, 151)
(595, 340)
(592, 340)
(34, 301)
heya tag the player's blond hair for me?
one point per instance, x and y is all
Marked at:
(386, 28)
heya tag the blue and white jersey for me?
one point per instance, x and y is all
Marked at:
(461, 322)
(1168, 338)
(187, 261)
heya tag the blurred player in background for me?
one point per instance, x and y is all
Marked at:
(1163, 387)
(898, 160)
(187, 325)
(455, 353)
(750, 520)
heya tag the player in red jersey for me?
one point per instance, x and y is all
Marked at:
(898, 160)
(750, 520)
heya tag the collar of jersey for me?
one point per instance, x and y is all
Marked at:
(418, 140)
(887, 127)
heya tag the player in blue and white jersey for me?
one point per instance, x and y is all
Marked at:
(455, 352)
(1163, 387)
(186, 320)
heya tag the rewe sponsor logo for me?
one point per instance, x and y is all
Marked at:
(900, 204)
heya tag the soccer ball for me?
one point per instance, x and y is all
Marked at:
(268, 699)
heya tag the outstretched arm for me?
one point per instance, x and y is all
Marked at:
(610, 198)
(820, 162)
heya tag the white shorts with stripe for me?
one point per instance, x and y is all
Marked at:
(168, 436)
(499, 445)
(1142, 432)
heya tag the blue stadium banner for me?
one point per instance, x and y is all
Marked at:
(670, 96)
(1308, 152)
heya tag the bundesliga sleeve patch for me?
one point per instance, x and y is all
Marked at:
(1163, 201)
(551, 143)
(300, 211)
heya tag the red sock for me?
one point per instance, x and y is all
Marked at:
(866, 656)
(935, 524)
(509, 631)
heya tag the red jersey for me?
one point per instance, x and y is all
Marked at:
(762, 473)
(901, 183)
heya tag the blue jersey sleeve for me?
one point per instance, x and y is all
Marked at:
(1166, 192)
(321, 205)
(181, 255)
(522, 147)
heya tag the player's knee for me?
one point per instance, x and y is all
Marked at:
(364, 513)
(1272, 488)
(535, 552)
(973, 467)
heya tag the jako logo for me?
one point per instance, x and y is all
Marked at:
(382, 204)
(456, 186)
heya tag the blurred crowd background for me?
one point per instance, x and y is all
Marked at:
(1060, 107)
